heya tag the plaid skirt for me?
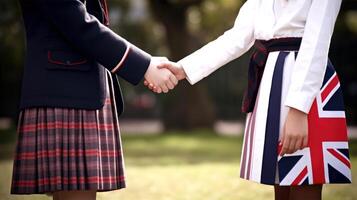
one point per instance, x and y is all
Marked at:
(69, 149)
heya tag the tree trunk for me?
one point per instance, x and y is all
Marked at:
(187, 107)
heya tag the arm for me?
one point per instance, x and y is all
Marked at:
(95, 40)
(232, 44)
(308, 73)
(311, 62)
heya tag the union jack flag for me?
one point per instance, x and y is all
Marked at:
(326, 159)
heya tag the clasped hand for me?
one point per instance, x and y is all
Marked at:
(163, 75)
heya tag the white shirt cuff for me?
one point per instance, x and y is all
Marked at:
(300, 101)
(193, 75)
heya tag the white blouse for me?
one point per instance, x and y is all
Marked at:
(313, 20)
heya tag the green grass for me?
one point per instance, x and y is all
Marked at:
(197, 166)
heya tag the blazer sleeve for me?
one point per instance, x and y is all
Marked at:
(311, 62)
(94, 39)
(232, 44)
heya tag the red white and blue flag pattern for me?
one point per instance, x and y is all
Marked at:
(325, 160)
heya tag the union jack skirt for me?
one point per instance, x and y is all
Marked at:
(325, 160)
(69, 149)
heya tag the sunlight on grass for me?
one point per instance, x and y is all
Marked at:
(197, 166)
(189, 182)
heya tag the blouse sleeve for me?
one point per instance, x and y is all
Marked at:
(311, 62)
(232, 44)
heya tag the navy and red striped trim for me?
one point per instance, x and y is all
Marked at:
(125, 56)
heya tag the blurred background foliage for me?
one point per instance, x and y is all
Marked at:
(175, 28)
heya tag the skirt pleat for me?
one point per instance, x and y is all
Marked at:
(69, 149)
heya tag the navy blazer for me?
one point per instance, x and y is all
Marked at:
(68, 49)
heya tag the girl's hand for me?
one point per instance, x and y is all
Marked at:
(295, 132)
(159, 79)
(175, 68)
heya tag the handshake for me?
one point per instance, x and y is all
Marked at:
(163, 75)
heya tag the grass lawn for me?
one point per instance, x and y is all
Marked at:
(195, 166)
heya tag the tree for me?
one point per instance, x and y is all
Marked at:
(189, 106)
(342, 53)
(11, 56)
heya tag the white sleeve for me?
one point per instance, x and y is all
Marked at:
(232, 44)
(311, 62)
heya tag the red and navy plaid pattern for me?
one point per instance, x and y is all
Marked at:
(68, 149)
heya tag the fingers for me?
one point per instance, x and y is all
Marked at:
(170, 85)
(165, 64)
(157, 90)
(285, 147)
(295, 132)
(293, 143)
(151, 87)
(159, 79)
(289, 142)
(170, 82)
(282, 142)
(305, 142)
(164, 84)
(173, 80)
(164, 88)
(298, 145)
(146, 83)
(172, 66)
(175, 68)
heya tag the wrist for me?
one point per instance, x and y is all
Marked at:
(149, 69)
(297, 113)
(183, 74)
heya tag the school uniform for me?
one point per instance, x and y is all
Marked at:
(289, 68)
(68, 130)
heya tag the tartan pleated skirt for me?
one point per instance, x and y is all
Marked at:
(61, 149)
(325, 160)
